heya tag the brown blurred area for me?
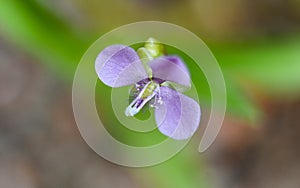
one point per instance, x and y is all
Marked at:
(40, 145)
(216, 20)
(265, 156)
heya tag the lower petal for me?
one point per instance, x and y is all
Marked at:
(179, 116)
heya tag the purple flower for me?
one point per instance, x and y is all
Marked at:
(176, 115)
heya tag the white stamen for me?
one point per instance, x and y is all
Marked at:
(144, 96)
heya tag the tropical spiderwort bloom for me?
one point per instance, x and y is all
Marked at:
(153, 75)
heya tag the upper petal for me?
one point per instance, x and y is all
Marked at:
(119, 65)
(171, 68)
(179, 116)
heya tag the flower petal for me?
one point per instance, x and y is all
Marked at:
(171, 68)
(119, 65)
(179, 116)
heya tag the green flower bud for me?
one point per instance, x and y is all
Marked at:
(154, 47)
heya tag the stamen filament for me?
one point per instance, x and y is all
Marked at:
(150, 90)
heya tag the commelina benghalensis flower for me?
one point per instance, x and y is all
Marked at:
(156, 78)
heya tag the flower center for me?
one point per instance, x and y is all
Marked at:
(149, 91)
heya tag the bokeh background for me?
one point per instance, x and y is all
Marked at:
(257, 44)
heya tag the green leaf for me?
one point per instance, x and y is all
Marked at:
(273, 64)
(40, 33)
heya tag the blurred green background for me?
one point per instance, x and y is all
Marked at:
(257, 44)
